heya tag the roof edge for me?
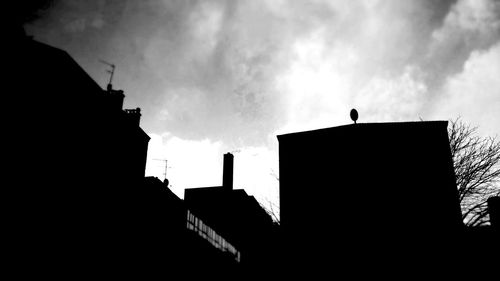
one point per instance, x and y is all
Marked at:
(418, 123)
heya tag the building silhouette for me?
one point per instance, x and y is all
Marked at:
(174, 237)
(75, 159)
(237, 216)
(79, 201)
(352, 193)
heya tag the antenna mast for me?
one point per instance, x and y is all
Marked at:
(166, 166)
(112, 71)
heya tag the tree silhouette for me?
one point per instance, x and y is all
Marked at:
(477, 169)
(273, 210)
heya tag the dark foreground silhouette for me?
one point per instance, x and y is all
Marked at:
(363, 199)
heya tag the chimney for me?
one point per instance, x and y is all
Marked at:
(227, 173)
(115, 98)
(134, 115)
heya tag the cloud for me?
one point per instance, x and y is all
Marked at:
(220, 75)
(233, 70)
(190, 163)
(393, 98)
(78, 16)
(76, 25)
(236, 71)
(467, 27)
(317, 83)
(474, 93)
(478, 16)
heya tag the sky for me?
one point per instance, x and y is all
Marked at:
(218, 76)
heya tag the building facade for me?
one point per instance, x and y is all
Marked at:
(353, 192)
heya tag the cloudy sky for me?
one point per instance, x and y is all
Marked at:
(217, 76)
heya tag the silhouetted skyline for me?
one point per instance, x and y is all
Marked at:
(349, 193)
(218, 76)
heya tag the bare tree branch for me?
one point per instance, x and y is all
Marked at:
(273, 210)
(477, 168)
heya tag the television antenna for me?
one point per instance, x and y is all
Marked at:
(166, 166)
(110, 71)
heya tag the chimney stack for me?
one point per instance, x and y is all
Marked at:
(227, 174)
(115, 98)
(134, 115)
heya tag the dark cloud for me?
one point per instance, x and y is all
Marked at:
(468, 26)
(209, 69)
(23, 11)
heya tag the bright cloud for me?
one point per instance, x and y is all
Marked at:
(190, 163)
(392, 98)
(478, 83)
(317, 84)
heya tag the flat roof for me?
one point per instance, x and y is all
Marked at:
(366, 126)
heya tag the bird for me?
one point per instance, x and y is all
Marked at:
(354, 115)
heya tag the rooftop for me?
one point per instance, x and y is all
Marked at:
(367, 126)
